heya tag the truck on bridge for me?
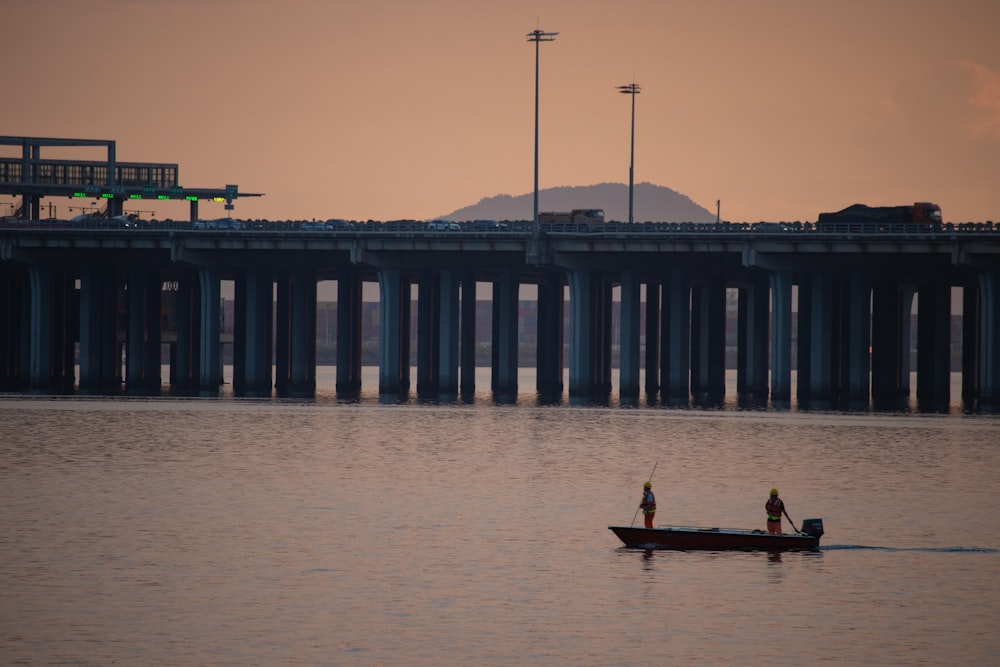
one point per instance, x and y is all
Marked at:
(578, 216)
(925, 214)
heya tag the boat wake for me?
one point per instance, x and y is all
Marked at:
(951, 550)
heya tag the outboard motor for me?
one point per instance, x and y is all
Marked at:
(813, 527)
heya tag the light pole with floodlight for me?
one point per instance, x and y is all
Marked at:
(633, 90)
(537, 36)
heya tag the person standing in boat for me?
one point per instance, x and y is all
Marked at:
(775, 507)
(648, 504)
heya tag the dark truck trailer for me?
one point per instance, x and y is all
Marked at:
(578, 216)
(926, 214)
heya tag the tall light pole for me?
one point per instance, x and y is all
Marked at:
(537, 36)
(633, 90)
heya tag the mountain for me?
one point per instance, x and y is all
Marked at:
(651, 203)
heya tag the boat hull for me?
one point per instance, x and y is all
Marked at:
(712, 539)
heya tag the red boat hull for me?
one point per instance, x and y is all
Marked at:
(712, 539)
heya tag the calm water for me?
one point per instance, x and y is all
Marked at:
(225, 531)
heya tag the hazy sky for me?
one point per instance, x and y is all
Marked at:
(413, 108)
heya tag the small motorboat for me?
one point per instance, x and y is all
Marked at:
(689, 538)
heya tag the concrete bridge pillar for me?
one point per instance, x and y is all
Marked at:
(252, 333)
(394, 332)
(467, 332)
(349, 331)
(934, 346)
(142, 351)
(209, 345)
(428, 333)
(628, 363)
(505, 313)
(708, 342)
(652, 360)
(549, 363)
(449, 316)
(295, 344)
(989, 357)
(752, 343)
(590, 342)
(781, 338)
(857, 342)
(52, 343)
(889, 357)
(675, 341)
(819, 341)
(100, 358)
(186, 352)
(14, 342)
(972, 322)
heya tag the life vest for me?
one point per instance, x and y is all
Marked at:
(648, 503)
(774, 507)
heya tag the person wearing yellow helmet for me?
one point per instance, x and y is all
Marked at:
(775, 507)
(648, 504)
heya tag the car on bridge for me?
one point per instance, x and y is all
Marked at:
(340, 225)
(218, 223)
(443, 226)
(488, 226)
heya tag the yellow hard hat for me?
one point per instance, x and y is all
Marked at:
(774, 492)
(647, 485)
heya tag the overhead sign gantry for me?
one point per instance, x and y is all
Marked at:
(32, 178)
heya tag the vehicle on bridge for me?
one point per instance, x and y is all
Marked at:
(341, 225)
(443, 226)
(488, 226)
(219, 223)
(925, 214)
(578, 216)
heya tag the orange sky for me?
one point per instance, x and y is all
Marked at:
(389, 109)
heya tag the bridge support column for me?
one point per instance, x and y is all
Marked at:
(652, 360)
(989, 357)
(448, 330)
(252, 333)
(549, 363)
(186, 353)
(295, 346)
(100, 358)
(209, 344)
(971, 336)
(818, 341)
(906, 338)
(52, 341)
(628, 359)
(857, 340)
(675, 341)
(142, 353)
(14, 296)
(708, 342)
(394, 332)
(934, 346)
(349, 331)
(752, 343)
(505, 312)
(590, 343)
(889, 358)
(468, 336)
(428, 333)
(781, 338)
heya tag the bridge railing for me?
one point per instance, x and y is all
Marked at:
(508, 228)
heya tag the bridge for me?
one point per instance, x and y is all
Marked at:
(95, 292)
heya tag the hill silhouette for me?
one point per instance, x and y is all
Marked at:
(651, 203)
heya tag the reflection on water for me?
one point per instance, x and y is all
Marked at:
(162, 531)
(527, 394)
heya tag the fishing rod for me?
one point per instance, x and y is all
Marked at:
(790, 519)
(650, 482)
